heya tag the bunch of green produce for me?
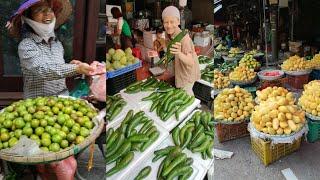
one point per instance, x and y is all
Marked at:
(176, 164)
(250, 62)
(114, 106)
(54, 123)
(151, 84)
(204, 59)
(136, 133)
(169, 102)
(168, 57)
(197, 134)
(117, 59)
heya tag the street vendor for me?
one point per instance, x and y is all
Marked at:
(186, 65)
(123, 29)
(41, 53)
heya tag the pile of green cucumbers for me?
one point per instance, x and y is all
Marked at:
(175, 164)
(115, 104)
(169, 102)
(136, 133)
(197, 134)
(150, 84)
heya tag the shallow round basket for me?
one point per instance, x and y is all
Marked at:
(298, 73)
(226, 58)
(269, 78)
(312, 117)
(252, 129)
(47, 157)
(258, 55)
(242, 83)
(231, 122)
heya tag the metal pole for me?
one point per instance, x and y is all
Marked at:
(265, 32)
(274, 33)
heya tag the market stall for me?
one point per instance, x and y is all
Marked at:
(160, 122)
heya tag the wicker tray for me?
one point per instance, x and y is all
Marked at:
(230, 131)
(48, 157)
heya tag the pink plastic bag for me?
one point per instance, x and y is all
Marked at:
(98, 87)
(98, 67)
(62, 170)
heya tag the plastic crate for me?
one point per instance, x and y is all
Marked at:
(114, 85)
(297, 82)
(115, 73)
(315, 75)
(226, 132)
(314, 131)
(270, 153)
(203, 92)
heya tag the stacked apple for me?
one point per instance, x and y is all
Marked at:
(54, 123)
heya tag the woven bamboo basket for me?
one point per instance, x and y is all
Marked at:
(47, 157)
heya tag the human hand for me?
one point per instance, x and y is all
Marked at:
(175, 48)
(84, 68)
(75, 62)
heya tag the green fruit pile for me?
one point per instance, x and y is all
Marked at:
(54, 123)
(117, 59)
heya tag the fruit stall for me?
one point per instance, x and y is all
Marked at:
(275, 106)
(157, 131)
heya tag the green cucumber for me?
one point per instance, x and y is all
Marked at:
(143, 173)
(128, 157)
(179, 159)
(124, 148)
(203, 146)
(175, 136)
(111, 140)
(153, 137)
(137, 138)
(116, 145)
(128, 117)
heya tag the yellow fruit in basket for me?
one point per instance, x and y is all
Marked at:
(292, 125)
(283, 109)
(279, 131)
(242, 73)
(310, 99)
(288, 115)
(229, 107)
(287, 131)
(220, 81)
(278, 113)
(296, 63)
(275, 123)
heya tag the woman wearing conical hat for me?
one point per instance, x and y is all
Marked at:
(41, 53)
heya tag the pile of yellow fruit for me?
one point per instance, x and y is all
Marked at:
(278, 117)
(315, 61)
(243, 74)
(220, 81)
(233, 104)
(296, 63)
(234, 50)
(249, 61)
(275, 93)
(310, 99)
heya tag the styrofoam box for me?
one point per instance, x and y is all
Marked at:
(198, 170)
(196, 156)
(139, 157)
(171, 122)
(118, 119)
(135, 98)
